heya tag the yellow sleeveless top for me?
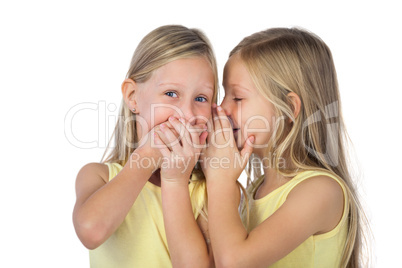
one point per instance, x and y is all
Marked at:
(140, 241)
(324, 250)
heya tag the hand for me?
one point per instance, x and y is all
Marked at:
(179, 154)
(222, 159)
(148, 151)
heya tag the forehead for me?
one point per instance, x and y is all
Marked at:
(186, 71)
(235, 73)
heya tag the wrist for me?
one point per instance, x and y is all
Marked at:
(174, 186)
(143, 160)
(220, 176)
(228, 190)
(178, 181)
(219, 184)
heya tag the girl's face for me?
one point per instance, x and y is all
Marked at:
(181, 88)
(251, 114)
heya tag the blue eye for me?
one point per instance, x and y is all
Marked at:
(171, 94)
(201, 99)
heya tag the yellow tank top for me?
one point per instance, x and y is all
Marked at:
(324, 250)
(140, 241)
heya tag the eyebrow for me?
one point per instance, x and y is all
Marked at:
(170, 84)
(210, 87)
(180, 85)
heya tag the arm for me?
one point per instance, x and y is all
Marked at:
(186, 243)
(314, 206)
(101, 206)
(203, 224)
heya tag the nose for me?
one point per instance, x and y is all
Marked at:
(225, 105)
(187, 111)
(229, 109)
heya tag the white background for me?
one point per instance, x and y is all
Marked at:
(55, 55)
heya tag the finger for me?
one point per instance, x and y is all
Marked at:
(247, 149)
(177, 127)
(189, 133)
(227, 130)
(162, 137)
(215, 119)
(174, 142)
(192, 135)
(169, 125)
(203, 138)
(199, 128)
(223, 117)
(161, 145)
(215, 137)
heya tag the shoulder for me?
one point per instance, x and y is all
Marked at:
(321, 198)
(94, 170)
(320, 186)
(90, 178)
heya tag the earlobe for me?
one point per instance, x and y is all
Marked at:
(129, 90)
(296, 103)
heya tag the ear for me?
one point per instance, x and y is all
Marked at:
(296, 104)
(129, 89)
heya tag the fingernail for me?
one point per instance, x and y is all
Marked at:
(252, 139)
(172, 118)
(219, 108)
(181, 120)
(162, 126)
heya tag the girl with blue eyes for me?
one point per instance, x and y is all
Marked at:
(282, 112)
(144, 204)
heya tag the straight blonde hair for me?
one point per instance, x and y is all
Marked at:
(161, 46)
(280, 61)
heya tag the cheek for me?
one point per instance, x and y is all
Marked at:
(152, 116)
(161, 114)
(258, 126)
(203, 114)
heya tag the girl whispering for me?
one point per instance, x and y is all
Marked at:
(126, 213)
(282, 105)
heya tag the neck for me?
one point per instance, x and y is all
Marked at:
(272, 178)
(270, 175)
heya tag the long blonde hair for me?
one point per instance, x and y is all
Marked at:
(280, 61)
(161, 46)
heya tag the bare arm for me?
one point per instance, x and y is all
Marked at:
(186, 243)
(101, 206)
(203, 224)
(314, 206)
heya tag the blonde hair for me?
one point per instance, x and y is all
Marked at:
(280, 61)
(161, 46)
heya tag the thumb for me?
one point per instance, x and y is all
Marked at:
(247, 149)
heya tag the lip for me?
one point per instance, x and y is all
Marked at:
(236, 133)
